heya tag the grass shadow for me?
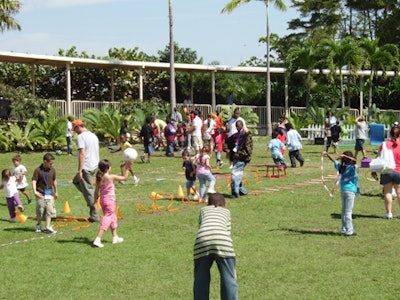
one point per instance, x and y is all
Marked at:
(315, 231)
(20, 229)
(355, 216)
(78, 240)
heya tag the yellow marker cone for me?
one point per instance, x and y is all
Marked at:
(22, 218)
(67, 209)
(180, 192)
(98, 203)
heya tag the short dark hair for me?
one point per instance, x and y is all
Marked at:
(48, 157)
(216, 199)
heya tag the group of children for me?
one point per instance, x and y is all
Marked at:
(198, 168)
(13, 183)
(284, 135)
(44, 186)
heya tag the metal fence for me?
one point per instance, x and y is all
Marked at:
(78, 106)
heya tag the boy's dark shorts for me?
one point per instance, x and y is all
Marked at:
(359, 145)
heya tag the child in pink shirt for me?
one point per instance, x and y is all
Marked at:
(203, 172)
(106, 188)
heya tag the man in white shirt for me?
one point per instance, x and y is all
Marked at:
(88, 160)
(195, 130)
(360, 134)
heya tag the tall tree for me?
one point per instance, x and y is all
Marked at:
(304, 57)
(281, 6)
(376, 58)
(9, 8)
(342, 54)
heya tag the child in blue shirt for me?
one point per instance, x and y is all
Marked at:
(347, 169)
(275, 146)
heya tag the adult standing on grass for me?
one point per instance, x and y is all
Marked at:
(348, 185)
(214, 243)
(232, 130)
(360, 134)
(88, 160)
(68, 135)
(195, 131)
(241, 157)
(330, 122)
(391, 180)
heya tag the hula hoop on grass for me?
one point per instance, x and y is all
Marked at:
(331, 191)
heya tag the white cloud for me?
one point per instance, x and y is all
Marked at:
(34, 4)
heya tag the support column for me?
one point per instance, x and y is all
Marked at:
(68, 87)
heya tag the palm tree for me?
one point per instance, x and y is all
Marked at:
(9, 8)
(343, 53)
(376, 59)
(281, 6)
(304, 57)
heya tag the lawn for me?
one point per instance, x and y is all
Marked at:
(286, 234)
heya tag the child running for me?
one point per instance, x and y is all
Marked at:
(9, 183)
(276, 146)
(349, 187)
(20, 173)
(106, 189)
(203, 172)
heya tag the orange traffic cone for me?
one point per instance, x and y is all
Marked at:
(155, 195)
(180, 192)
(22, 218)
(67, 209)
(98, 203)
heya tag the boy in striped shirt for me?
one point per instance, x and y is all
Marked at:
(214, 243)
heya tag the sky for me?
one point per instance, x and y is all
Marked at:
(95, 26)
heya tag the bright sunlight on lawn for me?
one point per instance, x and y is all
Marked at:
(286, 234)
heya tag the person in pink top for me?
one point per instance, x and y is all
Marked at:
(391, 180)
(106, 188)
(203, 172)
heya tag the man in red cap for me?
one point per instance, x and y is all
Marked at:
(88, 160)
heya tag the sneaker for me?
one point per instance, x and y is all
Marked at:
(388, 216)
(122, 182)
(211, 191)
(301, 163)
(142, 158)
(50, 230)
(117, 240)
(21, 208)
(221, 163)
(12, 220)
(29, 201)
(195, 197)
(135, 180)
(38, 228)
(351, 234)
(148, 162)
(231, 166)
(97, 243)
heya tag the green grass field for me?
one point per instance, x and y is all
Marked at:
(286, 234)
